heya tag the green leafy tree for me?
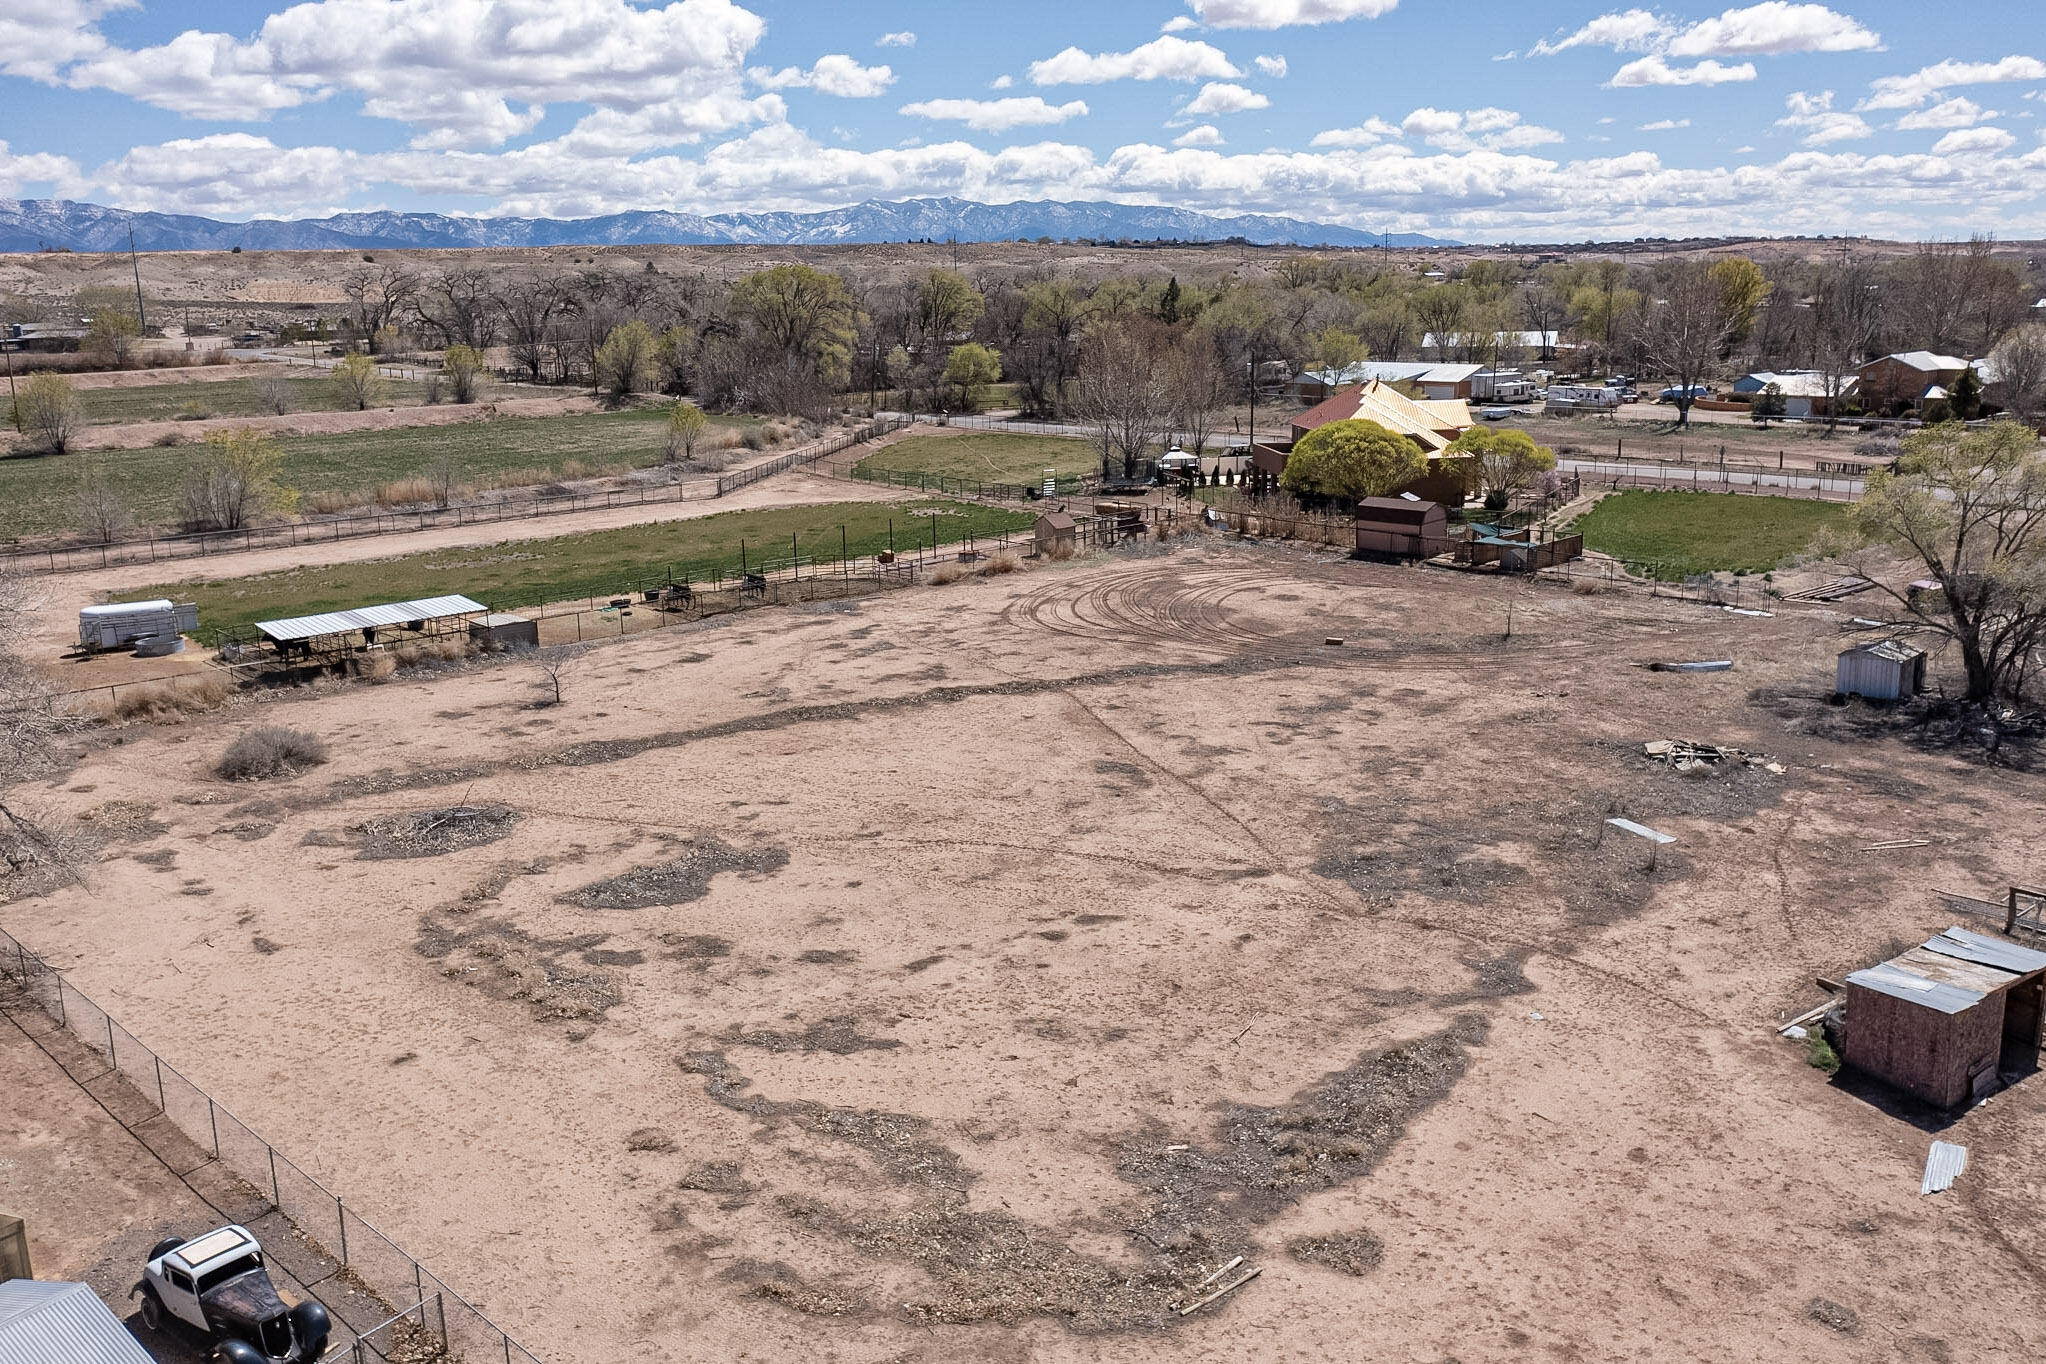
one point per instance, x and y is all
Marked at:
(47, 410)
(1966, 504)
(463, 366)
(1338, 349)
(232, 481)
(686, 425)
(113, 328)
(1352, 459)
(803, 314)
(969, 369)
(356, 379)
(1767, 405)
(1503, 459)
(628, 361)
(1964, 395)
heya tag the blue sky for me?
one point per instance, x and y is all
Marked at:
(1478, 119)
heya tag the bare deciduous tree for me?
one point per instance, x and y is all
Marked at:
(48, 412)
(1198, 387)
(1842, 321)
(376, 294)
(30, 733)
(556, 666)
(1122, 391)
(101, 510)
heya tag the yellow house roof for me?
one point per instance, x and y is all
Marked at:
(1448, 413)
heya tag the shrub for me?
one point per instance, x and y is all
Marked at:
(166, 701)
(946, 573)
(1819, 1051)
(271, 751)
(1001, 563)
(273, 395)
(49, 412)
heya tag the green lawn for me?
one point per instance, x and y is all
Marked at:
(1685, 533)
(226, 398)
(39, 492)
(534, 572)
(985, 456)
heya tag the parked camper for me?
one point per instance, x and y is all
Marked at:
(119, 624)
(1581, 398)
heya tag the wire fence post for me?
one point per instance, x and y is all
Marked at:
(341, 1221)
(276, 1197)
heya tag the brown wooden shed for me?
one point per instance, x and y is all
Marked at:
(1055, 529)
(1393, 525)
(1943, 1021)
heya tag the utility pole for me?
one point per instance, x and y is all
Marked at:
(13, 403)
(141, 318)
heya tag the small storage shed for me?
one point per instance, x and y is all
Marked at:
(1886, 670)
(1055, 529)
(1393, 525)
(44, 1323)
(1941, 1022)
(503, 630)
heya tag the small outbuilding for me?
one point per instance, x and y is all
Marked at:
(42, 1323)
(1943, 1022)
(503, 630)
(1055, 529)
(1882, 670)
(117, 625)
(1394, 525)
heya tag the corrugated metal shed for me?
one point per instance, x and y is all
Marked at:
(1882, 670)
(61, 1323)
(1913, 988)
(370, 617)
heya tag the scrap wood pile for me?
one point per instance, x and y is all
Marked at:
(1687, 756)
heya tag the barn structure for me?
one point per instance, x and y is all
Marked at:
(1882, 670)
(1397, 526)
(1945, 1021)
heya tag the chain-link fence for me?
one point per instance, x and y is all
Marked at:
(327, 1249)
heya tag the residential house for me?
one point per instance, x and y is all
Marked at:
(1907, 379)
(1804, 390)
(1431, 424)
(1436, 382)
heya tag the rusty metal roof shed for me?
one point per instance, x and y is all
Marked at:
(370, 617)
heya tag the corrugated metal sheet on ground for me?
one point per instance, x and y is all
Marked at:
(1642, 830)
(1983, 951)
(369, 617)
(61, 1323)
(1915, 989)
(1943, 1165)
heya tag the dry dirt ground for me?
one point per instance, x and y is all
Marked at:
(971, 971)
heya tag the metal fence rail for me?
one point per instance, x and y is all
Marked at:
(355, 1270)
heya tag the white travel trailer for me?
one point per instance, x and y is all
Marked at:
(119, 624)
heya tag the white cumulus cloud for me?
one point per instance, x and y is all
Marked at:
(1664, 125)
(1368, 133)
(1487, 129)
(1220, 97)
(1815, 117)
(832, 74)
(1771, 29)
(1275, 67)
(1207, 135)
(1911, 91)
(1634, 30)
(1166, 58)
(997, 115)
(1653, 70)
(902, 39)
(1972, 142)
(1958, 112)
(1284, 13)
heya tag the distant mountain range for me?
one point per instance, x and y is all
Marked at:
(42, 224)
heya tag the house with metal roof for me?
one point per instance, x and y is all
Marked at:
(1946, 1021)
(1907, 378)
(44, 1323)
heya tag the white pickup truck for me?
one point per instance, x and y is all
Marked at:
(217, 1286)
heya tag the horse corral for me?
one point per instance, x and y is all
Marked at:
(1093, 963)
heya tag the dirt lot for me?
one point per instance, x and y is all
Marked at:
(972, 971)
